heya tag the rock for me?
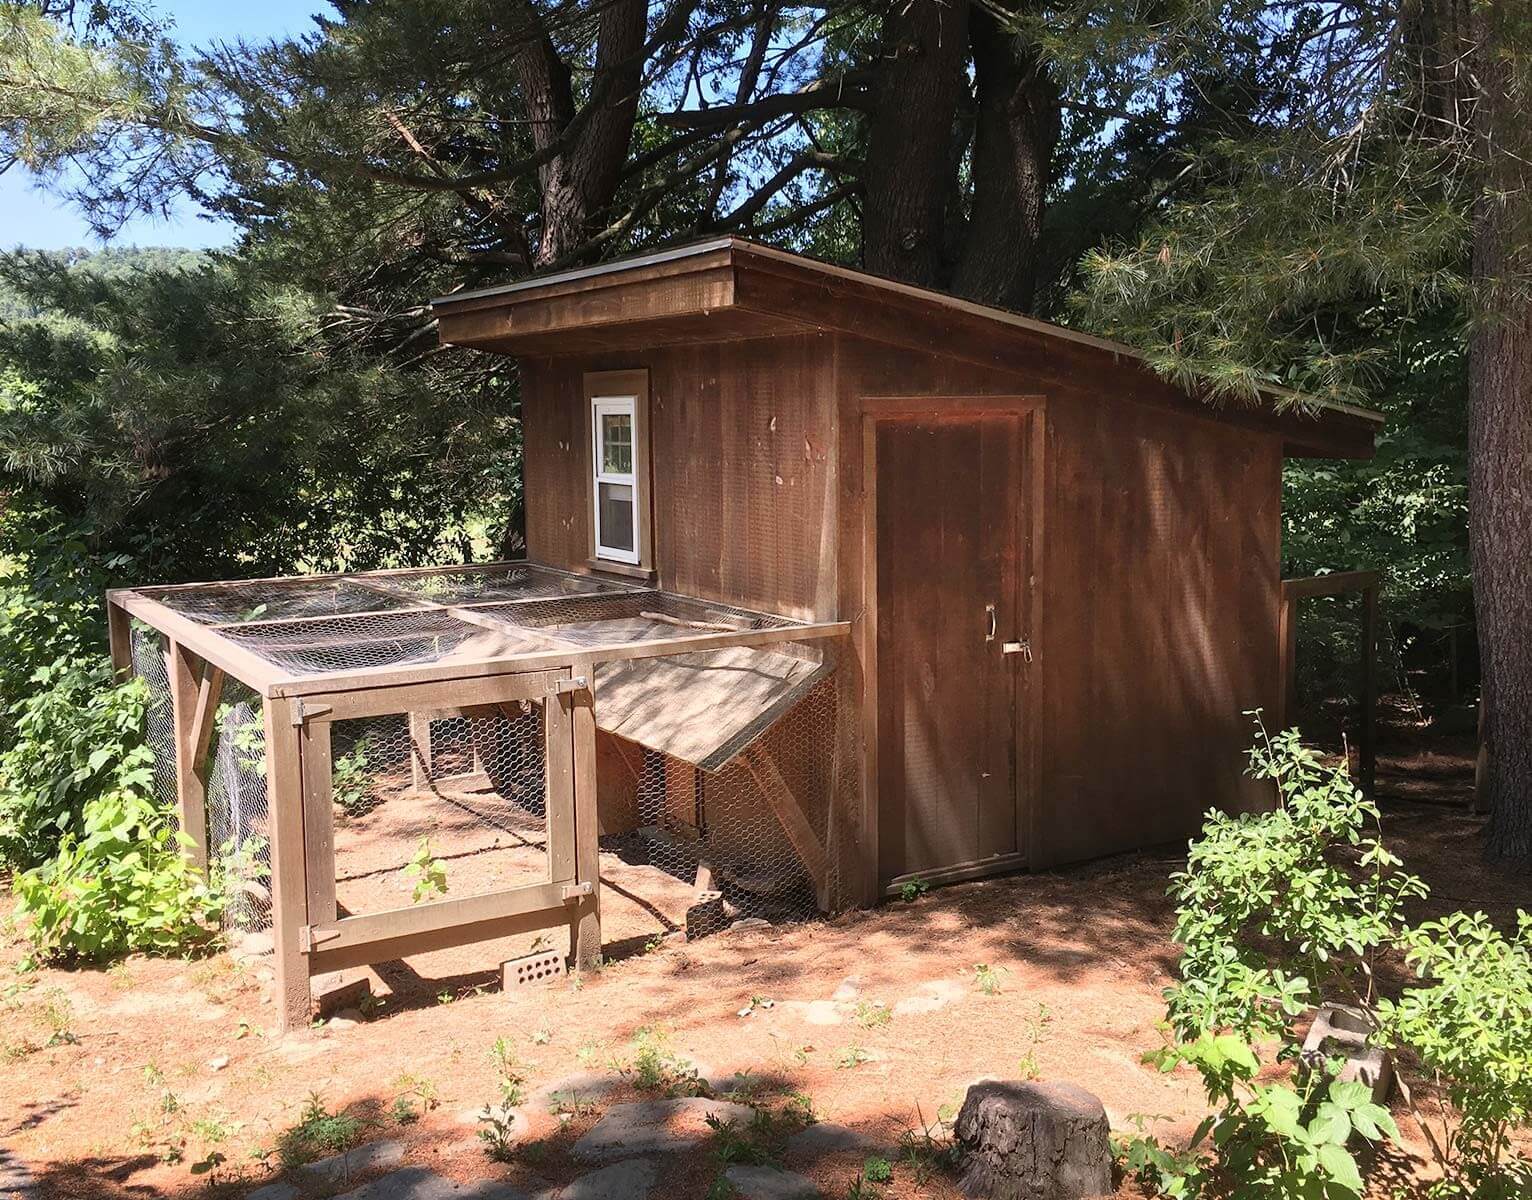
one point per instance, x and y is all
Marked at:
(1339, 1029)
(768, 1183)
(819, 1012)
(346, 1018)
(826, 1138)
(654, 1127)
(218, 1063)
(934, 995)
(419, 1183)
(1033, 1141)
(340, 1167)
(16, 1180)
(583, 1087)
(849, 990)
(272, 1191)
(745, 923)
(630, 1180)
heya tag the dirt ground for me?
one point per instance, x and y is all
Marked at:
(117, 1081)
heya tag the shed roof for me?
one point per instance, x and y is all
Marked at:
(729, 288)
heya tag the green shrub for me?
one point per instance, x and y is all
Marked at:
(75, 738)
(120, 884)
(1471, 1027)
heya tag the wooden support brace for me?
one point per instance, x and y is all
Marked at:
(795, 823)
(420, 751)
(119, 633)
(187, 686)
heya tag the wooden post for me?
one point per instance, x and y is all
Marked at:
(1366, 735)
(318, 821)
(119, 634)
(1287, 702)
(186, 672)
(585, 920)
(420, 751)
(289, 901)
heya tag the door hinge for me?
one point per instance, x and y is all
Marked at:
(573, 891)
(302, 711)
(575, 683)
(311, 937)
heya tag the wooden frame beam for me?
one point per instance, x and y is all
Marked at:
(191, 692)
(795, 822)
(1338, 583)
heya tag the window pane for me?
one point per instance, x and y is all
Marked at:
(617, 516)
(617, 443)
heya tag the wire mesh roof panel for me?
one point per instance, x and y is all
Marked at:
(631, 617)
(510, 581)
(379, 640)
(273, 599)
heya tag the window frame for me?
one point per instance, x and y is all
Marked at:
(619, 392)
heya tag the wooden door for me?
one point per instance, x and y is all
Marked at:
(948, 530)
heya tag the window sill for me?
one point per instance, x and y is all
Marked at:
(626, 570)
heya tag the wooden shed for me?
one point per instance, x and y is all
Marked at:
(1060, 572)
(831, 583)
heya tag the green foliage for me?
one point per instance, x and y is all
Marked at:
(122, 883)
(1471, 1027)
(353, 782)
(1282, 910)
(428, 872)
(318, 1134)
(1275, 909)
(877, 1170)
(913, 889)
(656, 1067)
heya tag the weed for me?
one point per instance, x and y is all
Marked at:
(499, 1132)
(571, 1103)
(987, 978)
(416, 1097)
(721, 1189)
(872, 1014)
(926, 1151)
(370, 1005)
(541, 1037)
(511, 1078)
(352, 787)
(318, 1133)
(852, 1056)
(762, 1140)
(800, 1108)
(658, 1068)
(877, 1170)
(1035, 1026)
(588, 1053)
(912, 890)
(428, 872)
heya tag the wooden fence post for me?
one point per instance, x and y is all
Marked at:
(1367, 753)
(585, 923)
(187, 676)
(289, 887)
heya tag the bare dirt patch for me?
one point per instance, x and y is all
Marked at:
(119, 1079)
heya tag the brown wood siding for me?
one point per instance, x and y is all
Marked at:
(1160, 584)
(743, 445)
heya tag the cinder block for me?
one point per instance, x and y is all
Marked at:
(543, 966)
(1342, 1031)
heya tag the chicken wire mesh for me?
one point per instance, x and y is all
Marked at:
(758, 837)
(429, 806)
(147, 648)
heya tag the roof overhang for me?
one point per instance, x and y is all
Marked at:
(727, 289)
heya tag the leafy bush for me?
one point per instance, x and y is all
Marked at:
(1282, 910)
(121, 884)
(76, 738)
(1471, 1027)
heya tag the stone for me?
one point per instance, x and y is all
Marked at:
(340, 1167)
(346, 1018)
(769, 1183)
(934, 995)
(628, 1180)
(820, 1012)
(849, 990)
(584, 1087)
(16, 1181)
(1340, 1030)
(1033, 1141)
(654, 1127)
(826, 1138)
(272, 1191)
(420, 1183)
(218, 1063)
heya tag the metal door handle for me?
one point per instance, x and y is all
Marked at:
(989, 613)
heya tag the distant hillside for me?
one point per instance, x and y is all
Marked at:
(109, 263)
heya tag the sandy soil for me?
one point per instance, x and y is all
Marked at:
(109, 1073)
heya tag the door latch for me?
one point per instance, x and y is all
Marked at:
(1023, 648)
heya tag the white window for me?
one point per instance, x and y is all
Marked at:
(613, 422)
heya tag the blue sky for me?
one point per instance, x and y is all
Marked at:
(31, 217)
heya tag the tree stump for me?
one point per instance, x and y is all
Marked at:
(1033, 1141)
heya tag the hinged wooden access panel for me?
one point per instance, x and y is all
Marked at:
(333, 939)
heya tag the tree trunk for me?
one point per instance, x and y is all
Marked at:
(909, 160)
(1016, 130)
(1500, 440)
(578, 183)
